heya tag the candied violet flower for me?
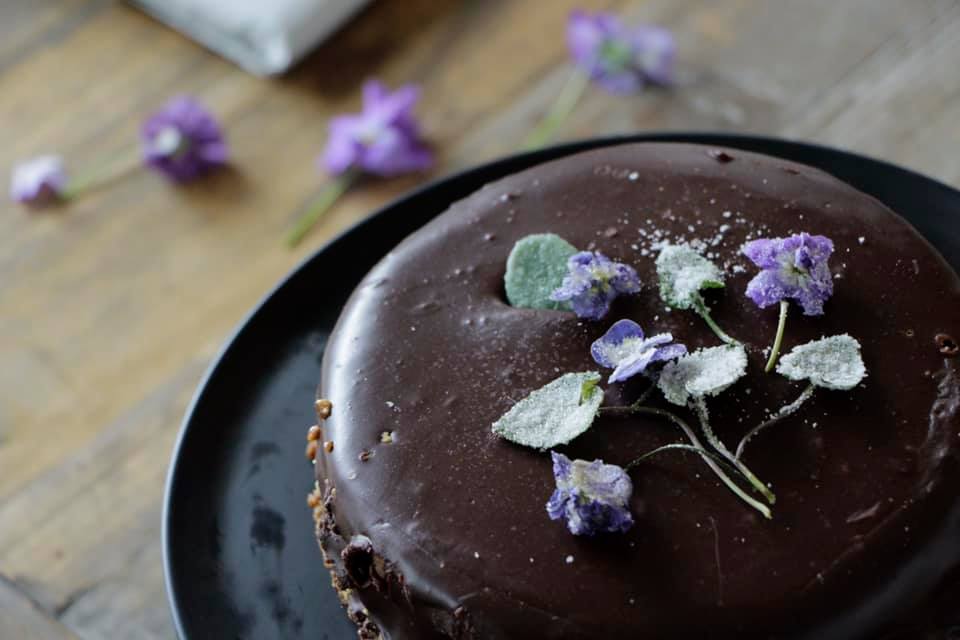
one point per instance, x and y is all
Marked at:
(620, 58)
(183, 140)
(38, 181)
(624, 349)
(591, 497)
(383, 139)
(593, 281)
(792, 268)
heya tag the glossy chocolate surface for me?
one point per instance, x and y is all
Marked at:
(867, 523)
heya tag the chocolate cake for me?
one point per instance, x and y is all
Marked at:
(433, 526)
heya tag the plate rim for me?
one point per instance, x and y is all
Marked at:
(745, 141)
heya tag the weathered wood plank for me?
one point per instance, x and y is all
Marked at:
(903, 102)
(21, 618)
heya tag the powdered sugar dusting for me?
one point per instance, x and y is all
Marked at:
(553, 414)
(832, 363)
(682, 273)
(705, 372)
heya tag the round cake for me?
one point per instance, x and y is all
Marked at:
(434, 526)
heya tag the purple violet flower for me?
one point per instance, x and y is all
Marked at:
(38, 181)
(624, 349)
(792, 268)
(383, 139)
(591, 497)
(183, 140)
(593, 281)
(622, 59)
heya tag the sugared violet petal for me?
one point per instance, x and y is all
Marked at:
(593, 281)
(794, 268)
(624, 349)
(590, 497)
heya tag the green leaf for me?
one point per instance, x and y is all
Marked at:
(553, 414)
(535, 269)
(831, 363)
(683, 273)
(705, 372)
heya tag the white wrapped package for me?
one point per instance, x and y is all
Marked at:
(263, 37)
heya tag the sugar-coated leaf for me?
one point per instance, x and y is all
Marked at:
(535, 269)
(705, 372)
(831, 363)
(683, 273)
(553, 414)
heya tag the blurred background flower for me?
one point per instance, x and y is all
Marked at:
(382, 140)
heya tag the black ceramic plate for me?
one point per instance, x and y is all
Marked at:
(239, 553)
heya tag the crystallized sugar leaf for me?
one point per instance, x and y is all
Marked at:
(682, 273)
(553, 414)
(705, 372)
(535, 269)
(831, 363)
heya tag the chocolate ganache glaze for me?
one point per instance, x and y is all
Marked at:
(434, 527)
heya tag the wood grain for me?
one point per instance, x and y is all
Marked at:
(111, 308)
(21, 618)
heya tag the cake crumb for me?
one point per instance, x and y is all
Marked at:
(313, 433)
(323, 408)
(311, 451)
(328, 446)
(386, 437)
(390, 404)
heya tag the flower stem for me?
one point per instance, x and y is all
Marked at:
(630, 408)
(559, 111)
(701, 308)
(784, 411)
(733, 486)
(112, 168)
(700, 405)
(319, 205)
(778, 340)
(683, 447)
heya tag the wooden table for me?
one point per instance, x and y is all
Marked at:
(111, 308)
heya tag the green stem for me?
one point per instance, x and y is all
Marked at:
(778, 340)
(631, 408)
(559, 111)
(319, 205)
(701, 308)
(683, 447)
(700, 405)
(784, 411)
(113, 168)
(733, 486)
